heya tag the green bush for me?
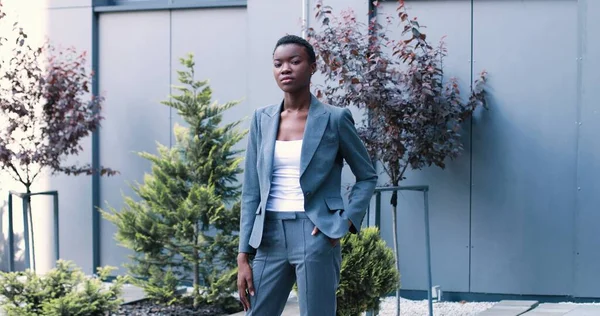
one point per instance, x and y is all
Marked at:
(64, 291)
(368, 272)
(161, 287)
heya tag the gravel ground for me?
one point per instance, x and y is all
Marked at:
(420, 308)
(144, 308)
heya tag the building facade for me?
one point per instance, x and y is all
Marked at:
(516, 214)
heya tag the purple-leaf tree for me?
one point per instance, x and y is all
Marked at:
(414, 115)
(46, 109)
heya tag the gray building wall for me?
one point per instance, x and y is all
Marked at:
(75, 193)
(136, 74)
(39, 20)
(524, 150)
(515, 214)
(587, 202)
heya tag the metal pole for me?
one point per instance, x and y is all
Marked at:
(96, 224)
(368, 216)
(378, 210)
(11, 236)
(26, 231)
(56, 231)
(428, 246)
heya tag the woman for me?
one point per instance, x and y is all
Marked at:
(292, 213)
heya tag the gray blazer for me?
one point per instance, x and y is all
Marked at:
(329, 138)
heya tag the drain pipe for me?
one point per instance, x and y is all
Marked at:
(304, 17)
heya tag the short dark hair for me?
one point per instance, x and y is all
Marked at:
(293, 39)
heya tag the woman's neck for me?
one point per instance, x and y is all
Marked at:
(295, 102)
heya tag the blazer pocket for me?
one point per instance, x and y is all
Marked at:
(334, 204)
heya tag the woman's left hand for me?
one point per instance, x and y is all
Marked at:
(333, 241)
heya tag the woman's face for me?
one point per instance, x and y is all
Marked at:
(292, 68)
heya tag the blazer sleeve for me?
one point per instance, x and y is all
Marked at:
(354, 152)
(250, 189)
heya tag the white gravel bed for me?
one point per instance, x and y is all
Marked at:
(420, 308)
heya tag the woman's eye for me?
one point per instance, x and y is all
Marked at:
(277, 65)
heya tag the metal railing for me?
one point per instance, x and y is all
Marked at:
(25, 197)
(377, 220)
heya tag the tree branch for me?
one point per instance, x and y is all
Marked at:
(11, 166)
(36, 174)
(401, 175)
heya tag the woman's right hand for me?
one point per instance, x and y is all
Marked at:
(244, 280)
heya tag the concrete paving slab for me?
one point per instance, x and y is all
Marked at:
(585, 310)
(516, 303)
(509, 308)
(505, 311)
(291, 309)
(498, 312)
(132, 293)
(551, 309)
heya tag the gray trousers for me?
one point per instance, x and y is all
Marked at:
(289, 253)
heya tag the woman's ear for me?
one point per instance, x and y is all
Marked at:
(313, 68)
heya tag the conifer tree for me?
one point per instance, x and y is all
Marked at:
(185, 219)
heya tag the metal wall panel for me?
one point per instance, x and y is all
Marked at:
(55, 4)
(134, 77)
(524, 148)
(74, 192)
(360, 9)
(75, 199)
(33, 19)
(267, 22)
(587, 256)
(449, 196)
(221, 57)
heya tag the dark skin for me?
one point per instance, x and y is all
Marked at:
(292, 69)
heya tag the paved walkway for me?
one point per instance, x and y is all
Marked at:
(291, 308)
(502, 308)
(533, 308)
(132, 293)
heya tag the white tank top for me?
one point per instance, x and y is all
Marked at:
(286, 194)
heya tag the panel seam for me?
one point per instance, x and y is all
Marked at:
(581, 36)
(470, 246)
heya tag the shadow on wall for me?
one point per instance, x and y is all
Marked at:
(4, 248)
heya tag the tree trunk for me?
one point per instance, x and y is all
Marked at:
(196, 269)
(196, 279)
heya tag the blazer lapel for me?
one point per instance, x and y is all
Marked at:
(316, 123)
(270, 126)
